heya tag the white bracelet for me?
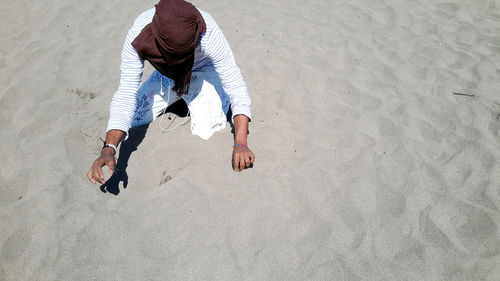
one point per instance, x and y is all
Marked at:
(110, 145)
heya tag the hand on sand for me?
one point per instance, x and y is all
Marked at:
(242, 158)
(107, 158)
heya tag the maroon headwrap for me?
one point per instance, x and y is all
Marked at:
(168, 42)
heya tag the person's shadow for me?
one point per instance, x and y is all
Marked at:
(135, 138)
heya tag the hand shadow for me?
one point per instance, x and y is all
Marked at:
(136, 136)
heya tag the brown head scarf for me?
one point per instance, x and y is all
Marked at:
(168, 42)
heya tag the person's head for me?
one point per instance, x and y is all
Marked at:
(170, 40)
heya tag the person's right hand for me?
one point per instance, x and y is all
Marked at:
(107, 158)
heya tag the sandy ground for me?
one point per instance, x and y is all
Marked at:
(368, 166)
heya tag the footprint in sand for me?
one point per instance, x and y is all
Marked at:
(86, 116)
(85, 97)
(465, 226)
(165, 178)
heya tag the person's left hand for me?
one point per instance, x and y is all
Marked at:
(242, 157)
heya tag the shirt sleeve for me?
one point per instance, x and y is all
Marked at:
(232, 81)
(122, 108)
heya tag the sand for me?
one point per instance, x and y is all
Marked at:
(368, 166)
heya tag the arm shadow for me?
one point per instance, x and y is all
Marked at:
(136, 136)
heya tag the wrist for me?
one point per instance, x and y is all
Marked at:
(240, 140)
(108, 151)
(109, 145)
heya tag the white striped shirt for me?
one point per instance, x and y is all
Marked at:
(212, 52)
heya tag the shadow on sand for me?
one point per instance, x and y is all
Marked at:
(136, 136)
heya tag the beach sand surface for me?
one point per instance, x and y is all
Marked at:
(375, 129)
